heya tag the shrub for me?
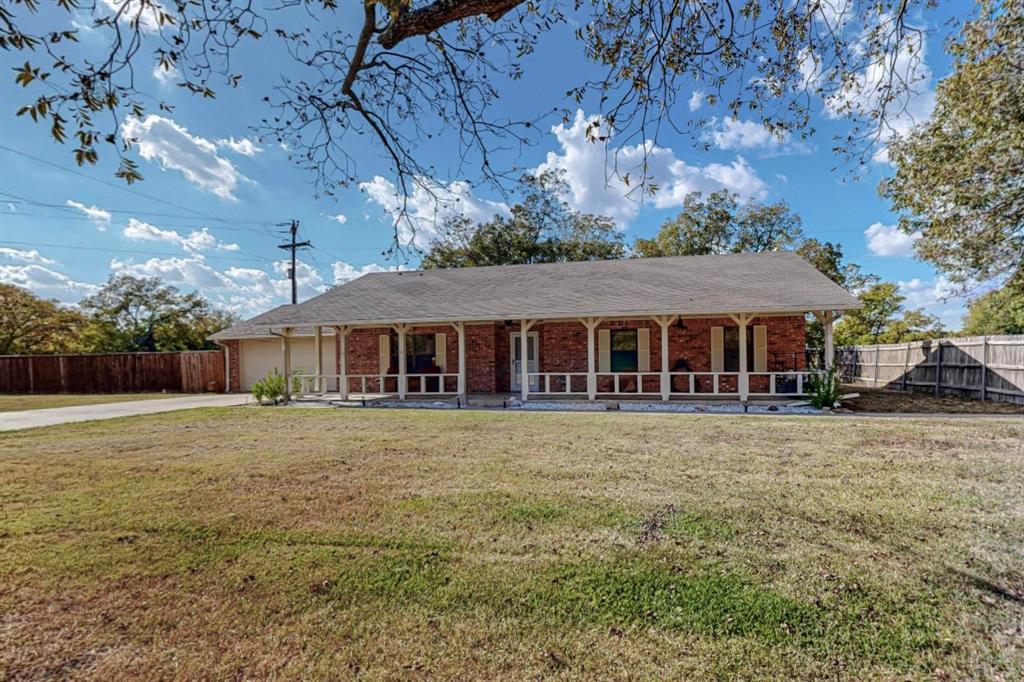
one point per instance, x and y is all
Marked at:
(296, 382)
(270, 387)
(825, 389)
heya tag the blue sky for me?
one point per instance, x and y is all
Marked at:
(205, 217)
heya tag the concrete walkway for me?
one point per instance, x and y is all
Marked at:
(28, 419)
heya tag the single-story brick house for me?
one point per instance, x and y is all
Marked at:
(726, 326)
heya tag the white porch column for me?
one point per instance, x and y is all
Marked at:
(830, 351)
(401, 360)
(460, 327)
(524, 358)
(286, 362)
(591, 324)
(742, 320)
(826, 318)
(341, 338)
(665, 321)
(318, 357)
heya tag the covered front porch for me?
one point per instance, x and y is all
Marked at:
(744, 356)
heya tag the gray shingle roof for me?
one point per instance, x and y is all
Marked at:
(743, 282)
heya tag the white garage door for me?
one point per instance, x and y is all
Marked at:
(259, 356)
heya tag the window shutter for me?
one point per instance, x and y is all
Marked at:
(385, 353)
(441, 352)
(760, 348)
(643, 349)
(604, 350)
(717, 349)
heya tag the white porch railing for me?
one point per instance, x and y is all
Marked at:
(637, 387)
(315, 384)
(562, 385)
(791, 384)
(692, 383)
(431, 384)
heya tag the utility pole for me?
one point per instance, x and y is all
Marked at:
(294, 246)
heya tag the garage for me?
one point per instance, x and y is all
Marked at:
(259, 356)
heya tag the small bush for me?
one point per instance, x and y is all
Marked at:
(825, 389)
(269, 388)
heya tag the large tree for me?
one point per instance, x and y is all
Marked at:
(33, 325)
(1000, 311)
(959, 181)
(883, 319)
(720, 223)
(541, 228)
(402, 71)
(142, 314)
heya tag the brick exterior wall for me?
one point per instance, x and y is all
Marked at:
(562, 347)
(234, 360)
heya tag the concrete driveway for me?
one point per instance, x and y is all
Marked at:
(28, 419)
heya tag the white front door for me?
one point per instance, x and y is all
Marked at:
(531, 361)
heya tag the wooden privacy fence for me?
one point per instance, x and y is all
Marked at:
(980, 367)
(182, 372)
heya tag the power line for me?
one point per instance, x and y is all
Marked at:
(16, 199)
(115, 186)
(76, 247)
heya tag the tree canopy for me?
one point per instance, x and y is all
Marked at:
(959, 182)
(541, 228)
(721, 224)
(402, 71)
(30, 324)
(142, 314)
(1000, 311)
(883, 319)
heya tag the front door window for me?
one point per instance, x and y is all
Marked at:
(531, 365)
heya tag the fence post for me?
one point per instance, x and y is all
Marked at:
(938, 368)
(906, 368)
(63, 375)
(874, 378)
(984, 366)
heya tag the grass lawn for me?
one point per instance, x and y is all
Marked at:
(878, 400)
(251, 543)
(13, 403)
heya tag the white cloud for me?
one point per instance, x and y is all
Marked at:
(164, 75)
(889, 240)
(429, 206)
(262, 289)
(196, 241)
(835, 13)
(696, 100)
(145, 14)
(191, 272)
(20, 256)
(732, 133)
(243, 146)
(100, 217)
(341, 218)
(937, 297)
(195, 157)
(346, 272)
(245, 291)
(46, 282)
(595, 189)
(867, 91)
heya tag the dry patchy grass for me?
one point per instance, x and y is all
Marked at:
(248, 543)
(880, 400)
(14, 402)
